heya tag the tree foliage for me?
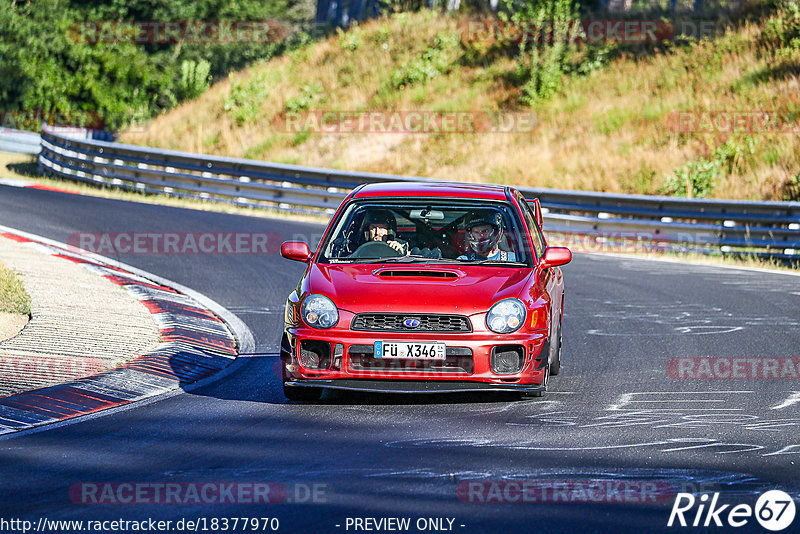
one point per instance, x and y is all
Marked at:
(46, 69)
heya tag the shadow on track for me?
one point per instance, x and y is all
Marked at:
(259, 380)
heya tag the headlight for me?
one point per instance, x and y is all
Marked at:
(319, 311)
(505, 316)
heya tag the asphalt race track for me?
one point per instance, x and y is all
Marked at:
(620, 414)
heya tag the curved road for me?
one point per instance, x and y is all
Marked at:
(617, 414)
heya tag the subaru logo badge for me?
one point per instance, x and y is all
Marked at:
(411, 323)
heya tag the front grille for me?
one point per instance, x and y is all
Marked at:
(393, 322)
(458, 360)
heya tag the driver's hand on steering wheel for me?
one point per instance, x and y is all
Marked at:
(395, 245)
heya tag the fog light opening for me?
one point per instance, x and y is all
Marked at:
(315, 354)
(507, 359)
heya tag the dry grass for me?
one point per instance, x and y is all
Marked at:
(608, 131)
(725, 261)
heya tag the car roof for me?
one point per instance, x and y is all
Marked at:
(433, 189)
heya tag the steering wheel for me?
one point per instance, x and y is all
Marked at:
(375, 249)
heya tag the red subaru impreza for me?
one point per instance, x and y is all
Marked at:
(426, 287)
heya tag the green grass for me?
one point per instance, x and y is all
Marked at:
(13, 297)
(612, 121)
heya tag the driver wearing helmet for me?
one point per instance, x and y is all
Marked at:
(484, 233)
(381, 225)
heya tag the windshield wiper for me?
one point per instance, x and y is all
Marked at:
(413, 259)
(494, 262)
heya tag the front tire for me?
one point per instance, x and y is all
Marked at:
(301, 394)
(537, 394)
(555, 367)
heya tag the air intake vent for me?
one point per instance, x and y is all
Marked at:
(417, 274)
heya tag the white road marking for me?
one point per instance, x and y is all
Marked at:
(15, 182)
(791, 400)
(789, 449)
(749, 447)
(677, 403)
(773, 425)
(705, 330)
(693, 330)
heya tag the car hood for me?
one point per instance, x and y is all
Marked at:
(415, 288)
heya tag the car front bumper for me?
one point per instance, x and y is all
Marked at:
(479, 376)
(413, 386)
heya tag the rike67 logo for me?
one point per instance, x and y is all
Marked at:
(774, 510)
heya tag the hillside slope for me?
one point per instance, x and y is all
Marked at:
(611, 129)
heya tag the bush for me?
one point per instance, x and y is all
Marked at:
(195, 78)
(349, 40)
(52, 72)
(433, 61)
(303, 101)
(243, 102)
(791, 189)
(782, 32)
(45, 66)
(695, 179)
(698, 178)
(544, 60)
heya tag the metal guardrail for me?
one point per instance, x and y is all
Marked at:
(19, 141)
(607, 220)
(25, 142)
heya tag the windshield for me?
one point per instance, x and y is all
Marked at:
(428, 231)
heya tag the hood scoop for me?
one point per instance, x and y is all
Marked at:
(416, 273)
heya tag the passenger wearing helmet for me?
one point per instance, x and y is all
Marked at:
(484, 233)
(381, 225)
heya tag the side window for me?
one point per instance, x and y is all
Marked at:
(513, 237)
(536, 232)
(538, 239)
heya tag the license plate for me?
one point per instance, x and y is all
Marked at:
(417, 351)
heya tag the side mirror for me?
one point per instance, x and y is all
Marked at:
(296, 250)
(555, 256)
